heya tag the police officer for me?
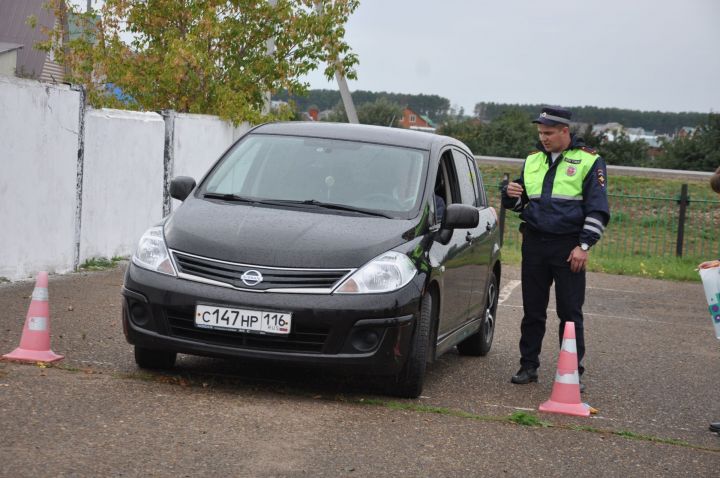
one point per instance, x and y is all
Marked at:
(561, 196)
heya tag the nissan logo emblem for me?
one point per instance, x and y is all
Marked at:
(251, 277)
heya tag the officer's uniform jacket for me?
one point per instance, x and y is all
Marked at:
(566, 198)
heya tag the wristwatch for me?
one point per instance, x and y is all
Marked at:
(584, 247)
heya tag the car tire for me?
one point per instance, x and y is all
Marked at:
(409, 382)
(479, 343)
(154, 359)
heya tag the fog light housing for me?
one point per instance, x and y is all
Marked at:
(365, 339)
(139, 314)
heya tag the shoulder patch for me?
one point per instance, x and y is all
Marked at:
(534, 151)
(588, 149)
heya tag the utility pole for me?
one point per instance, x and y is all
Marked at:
(341, 81)
(270, 51)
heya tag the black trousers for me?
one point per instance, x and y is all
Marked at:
(544, 261)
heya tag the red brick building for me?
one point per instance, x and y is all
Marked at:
(412, 120)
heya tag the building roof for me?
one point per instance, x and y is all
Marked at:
(6, 47)
(14, 29)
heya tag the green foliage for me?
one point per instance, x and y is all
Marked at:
(433, 106)
(527, 419)
(698, 152)
(623, 152)
(100, 263)
(661, 122)
(510, 135)
(380, 112)
(202, 56)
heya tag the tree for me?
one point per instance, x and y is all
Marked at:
(511, 135)
(382, 112)
(698, 152)
(202, 56)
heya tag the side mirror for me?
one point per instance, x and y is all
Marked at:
(181, 187)
(460, 216)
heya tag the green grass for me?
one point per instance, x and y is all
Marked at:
(100, 263)
(641, 239)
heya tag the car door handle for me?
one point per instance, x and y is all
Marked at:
(469, 236)
(488, 226)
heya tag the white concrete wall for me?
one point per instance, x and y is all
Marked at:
(122, 180)
(198, 142)
(8, 63)
(123, 175)
(38, 172)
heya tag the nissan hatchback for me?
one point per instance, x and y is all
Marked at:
(367, 248)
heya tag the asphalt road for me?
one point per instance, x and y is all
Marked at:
(653, 369)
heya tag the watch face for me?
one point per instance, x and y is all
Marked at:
(584, 247)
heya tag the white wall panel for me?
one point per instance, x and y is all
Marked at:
(122, 181)
(39, 125)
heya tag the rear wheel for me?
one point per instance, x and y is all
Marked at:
(409, 382)
(480, 342)
(154, 359)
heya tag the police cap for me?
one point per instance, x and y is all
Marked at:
(554, 116)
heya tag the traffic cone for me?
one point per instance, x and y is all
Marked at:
(35, 340)
(565, 397)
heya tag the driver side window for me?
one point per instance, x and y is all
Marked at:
(446, 187)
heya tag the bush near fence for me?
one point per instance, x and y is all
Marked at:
(642, 237)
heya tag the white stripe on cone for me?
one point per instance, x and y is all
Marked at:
(569, 345)
(40, 293)
(568, 378)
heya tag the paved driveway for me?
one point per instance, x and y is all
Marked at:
(653, 369)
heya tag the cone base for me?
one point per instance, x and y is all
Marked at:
(25, 355)
(575, 409)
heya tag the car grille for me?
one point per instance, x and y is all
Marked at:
(273, 278)
(300, 338)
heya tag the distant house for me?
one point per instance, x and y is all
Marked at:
(411, 120)
(31, 63)
(686, 132)
(8, 58)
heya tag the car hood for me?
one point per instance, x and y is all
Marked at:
(282, 237)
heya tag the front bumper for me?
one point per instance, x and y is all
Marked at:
(370, 333)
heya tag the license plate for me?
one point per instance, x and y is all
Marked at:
(242, 320)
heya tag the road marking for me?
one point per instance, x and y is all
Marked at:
(507, 290)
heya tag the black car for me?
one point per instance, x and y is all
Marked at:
(364, 247)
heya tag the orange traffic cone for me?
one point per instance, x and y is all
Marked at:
(35, 340)
(565, 397)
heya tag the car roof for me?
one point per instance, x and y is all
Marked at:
(358, 132)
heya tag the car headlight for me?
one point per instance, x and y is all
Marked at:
(152, 254)
(386, 273)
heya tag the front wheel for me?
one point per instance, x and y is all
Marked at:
(409, 382)
(480, 342)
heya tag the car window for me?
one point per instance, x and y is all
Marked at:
(481, 194)
(292, 168)
(466, 179)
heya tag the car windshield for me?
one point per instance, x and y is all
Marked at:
(318, 172)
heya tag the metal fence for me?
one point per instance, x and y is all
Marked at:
(646, 221)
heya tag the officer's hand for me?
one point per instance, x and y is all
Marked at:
(514, 190)
(577, 259)
(709, 264)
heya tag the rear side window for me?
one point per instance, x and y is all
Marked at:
(466, 179)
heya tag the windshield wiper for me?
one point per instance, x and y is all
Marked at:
(228, 197)
(342, 207)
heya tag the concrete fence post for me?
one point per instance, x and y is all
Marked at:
(169, 158)
(79, 173)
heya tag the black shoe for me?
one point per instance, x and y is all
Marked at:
(525, 375)
(715, 427)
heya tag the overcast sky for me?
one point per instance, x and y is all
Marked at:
(638, 54)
